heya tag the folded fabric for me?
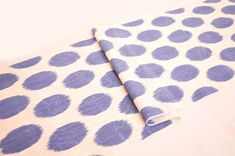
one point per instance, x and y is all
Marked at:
(173, 59)
(67, 101)
(85, 99)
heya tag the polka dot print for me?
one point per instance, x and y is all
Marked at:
(119, 65)
(163, 21)
(230, 9)
(132, 50)
(113, 133)
(40, 80)
(220, 73)
(179, 36)
(149, 35)
(149, 112)
(67, 136)
(176, 11)
(203, 10)
(110, 80)
(233, 37)
(78, 79)
(192, 22)
(168, 94)
(184, 73)
(52, 106)
(134, 88)
(150, 70)
(134, 23)
(95, 104)
(106, 45)
(96, 58)
(210, 37)
(24, 137)
(127, 106)
(64, 59)
(165, 53)
(27, 63)
(98, 95)
(212, 1)
(117, 33)
(198, 53)
(222, 22)
(12, 106)
(84, 43)
(228, 54)
(7, 80)
(149, 130)
(203, 92)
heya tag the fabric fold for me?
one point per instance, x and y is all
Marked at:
(173, 59)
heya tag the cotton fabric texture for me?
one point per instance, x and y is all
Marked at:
(102, 95)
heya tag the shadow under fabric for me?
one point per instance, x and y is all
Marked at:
(100, 98)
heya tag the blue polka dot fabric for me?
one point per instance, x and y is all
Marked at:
(69, 102)
(101, 95)
(173, 59)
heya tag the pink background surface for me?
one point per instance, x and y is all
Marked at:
(207, 127)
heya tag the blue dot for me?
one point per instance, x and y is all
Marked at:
(105, 45)
(228, 54)
(67, 136)
(132, 50)
(113, 133)
(20, 139)
(222, 22)
(230, 9)
(149, 130)
(149, 35)
(169, 94)
(150, 70)
(52, 106)
(97, 58)
(163, 21)
(40, 80)
(84, 43)
(79, 79)
(210, 37)
(119, 65)
(110, 80)
(198, 53)
(64, 59)
(12, 106)
(165, 53)
(220, 73)
(212, 1)
(134, 23)
(27, 63)
(134, 88)
(203, 10)
(176, 11)
(233, 37)
(7, 80)
(203, 92)
(180, 36)
(193, 22)
(95, 104)
(127, 106)
(149, 112)
(117, 33)
(184, 73)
